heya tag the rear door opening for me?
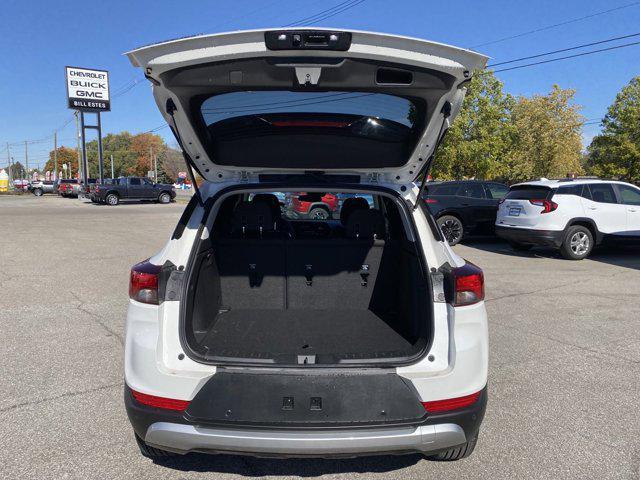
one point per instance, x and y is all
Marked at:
(271, 285)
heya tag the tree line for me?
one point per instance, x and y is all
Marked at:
(501, 137)
(497, 136)
(133, 155)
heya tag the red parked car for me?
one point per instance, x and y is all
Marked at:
(314, 206)
(65, 186)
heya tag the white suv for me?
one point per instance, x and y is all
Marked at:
(571, 215)
(256, 332)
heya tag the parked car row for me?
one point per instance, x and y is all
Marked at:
(111, 191)
(570, 215)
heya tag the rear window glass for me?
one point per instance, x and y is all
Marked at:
(528, 192)
(472, 190)
(570, 190)
(496, 190)
(312, 206)
(305, 129)
(450, 189)
(602, 193)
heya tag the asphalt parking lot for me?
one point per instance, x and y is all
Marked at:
(564, 367)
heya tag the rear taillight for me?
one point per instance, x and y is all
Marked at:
(548, 205)
(160, 402)
(468, 285)
(143, 282)
(451, 403)
(430, 200)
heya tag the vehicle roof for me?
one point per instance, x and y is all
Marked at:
(559, 183)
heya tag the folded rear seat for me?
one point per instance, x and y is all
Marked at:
(338, 272)
(251, 257)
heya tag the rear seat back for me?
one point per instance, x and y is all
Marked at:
(251, 258)
(337, 273)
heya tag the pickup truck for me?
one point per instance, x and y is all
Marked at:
(113, 190)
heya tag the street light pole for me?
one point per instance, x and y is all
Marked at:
(113, 175)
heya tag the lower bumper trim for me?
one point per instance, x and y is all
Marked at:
(530, 236)
(183, 439)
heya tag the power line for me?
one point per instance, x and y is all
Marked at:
(327, 13)
(567, 57)
(555, 25)
(577, 47)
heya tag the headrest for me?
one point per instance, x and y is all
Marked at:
(366, 224)
(249, 217)
(271, 200)
(350, 205)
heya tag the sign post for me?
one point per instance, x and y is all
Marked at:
(88, 92)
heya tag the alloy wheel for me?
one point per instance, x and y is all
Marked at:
(579, 243)
(452, 230)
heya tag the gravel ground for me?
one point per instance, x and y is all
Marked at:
(564, 372)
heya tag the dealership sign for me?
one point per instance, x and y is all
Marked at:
(87, 89)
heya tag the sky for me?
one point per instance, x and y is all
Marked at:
(39, 38)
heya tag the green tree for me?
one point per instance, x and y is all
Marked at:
(18, 170)
(547, 140)
(480, 138)
(616, 151)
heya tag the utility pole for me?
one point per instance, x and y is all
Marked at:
(9, 164)
(113, 175)
(155, 168)
(151, 157)
(55, 155)
(77, 148)
(26, 158)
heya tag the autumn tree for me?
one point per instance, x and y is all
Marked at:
(171, 164)
(143, 146)
(616, 151)
(480, 138)
(66, 155)
(547, 139)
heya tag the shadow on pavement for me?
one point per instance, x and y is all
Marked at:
(260, 467)
(621, 256)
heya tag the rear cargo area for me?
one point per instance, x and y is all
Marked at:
(267, 292)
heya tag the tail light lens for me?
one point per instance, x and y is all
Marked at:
(430, 200)
(468, 285)
(547, 205)
(160, 402)
(143, 282)
(451, 403)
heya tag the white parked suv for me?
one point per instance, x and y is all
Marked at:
(254, 333)
(571, 215)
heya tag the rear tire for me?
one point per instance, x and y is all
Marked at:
(456, 453)
(577, 244)
(112, 199)
(151, 452)
(319, 213)
(452, 229)
(38, 192)
(520, 247)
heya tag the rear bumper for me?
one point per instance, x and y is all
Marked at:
(422, 439)
(177, 432)
(528, 236)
